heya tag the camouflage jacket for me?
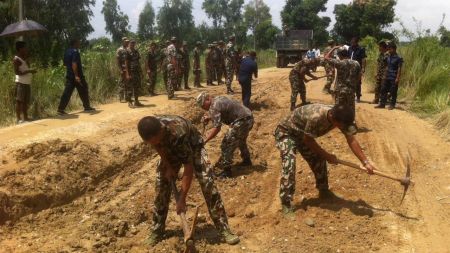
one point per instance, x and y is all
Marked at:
(171, 54)
(300, 68)
(181, 139)
(208, 59)
(152, 60)
(381, 67)
(185, 59)
(197, 54)
(226, 111)
(133, 61)
(348, 73)
(121, 55)
(217, 56)
(230, 53)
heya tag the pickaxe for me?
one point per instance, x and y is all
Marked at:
(405, 181)
(188, 233)
(320, 77)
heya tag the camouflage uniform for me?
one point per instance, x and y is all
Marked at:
(308, 120)
(208, 66)
(134, 70)
(171, 55)
(184, 144)
(381, 74)
(186, 67)
(296, 77)
(329, 71)
(152, 62)
(122, 55)
(230, 61)
(348, 74)
(181, 69)
(240, 120)
(217, 64)
(196, 68)
(164, 63)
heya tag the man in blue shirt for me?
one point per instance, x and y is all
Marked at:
(390, 85)
(74, 79)
(248, 67)
(358, 54)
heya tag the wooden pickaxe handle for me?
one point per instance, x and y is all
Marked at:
(376, 172)
(183, 220)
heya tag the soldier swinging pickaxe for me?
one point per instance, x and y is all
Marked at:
(405, 181)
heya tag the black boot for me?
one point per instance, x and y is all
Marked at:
(226, 173)
(292, 106)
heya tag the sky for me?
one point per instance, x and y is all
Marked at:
(429, 13)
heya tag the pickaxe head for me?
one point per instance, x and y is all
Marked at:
(406, 181)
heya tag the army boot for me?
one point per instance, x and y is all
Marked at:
(154, 238)
(245, 162)
(292, 106)
(304, 102)
(226, 173)
(287, 210)
(229, 237)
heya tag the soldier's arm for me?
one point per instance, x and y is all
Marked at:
(212, 133)
(316, 148)
(399, 72)
(308, 73)
(186, 181)
(328, 55)
(168, 172)
(356, 149)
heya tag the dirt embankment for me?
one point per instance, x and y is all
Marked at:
(86, 184)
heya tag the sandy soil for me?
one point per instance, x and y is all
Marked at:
(84, 183)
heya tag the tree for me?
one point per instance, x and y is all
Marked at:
(265, 34)
(116, 21)
(175, 19)
(303, 15)
(362, 18)
(256, 12)
(146, 28)
(445, 36)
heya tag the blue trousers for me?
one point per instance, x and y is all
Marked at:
(388, 86)
(246, 86)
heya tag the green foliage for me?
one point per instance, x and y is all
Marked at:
(363, 18)
(116, 21)
(256, 12)
(445, 36)
(303, 15)
(265, 34)
(100, 44)
(175, 19)
(146, 25)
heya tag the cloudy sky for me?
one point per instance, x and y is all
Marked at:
(428, 12)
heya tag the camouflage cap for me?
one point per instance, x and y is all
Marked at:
(184, 43)
(350, 129)
(132, 41)
(221, 42)
(198, 43)
(201, 98)
(125, 39)
(232, 37)
(173, 39)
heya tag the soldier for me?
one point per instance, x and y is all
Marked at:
(217, 63)
(208, 65)
(173, 69)
(329, 69)
(297, 133)
(222, 110)
(178, 142)
(297, 79)
(230, 63)
(164, 63)
(196, 64)
(134, 70)
(239, 57)
(358, 54)
(186, 65)
(121, 57)
(381, 69)
(348, 76)
(223, 50)
(151, 65)
(180, 65)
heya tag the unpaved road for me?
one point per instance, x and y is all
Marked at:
(84, 183)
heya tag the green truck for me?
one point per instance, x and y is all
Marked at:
(292, 46)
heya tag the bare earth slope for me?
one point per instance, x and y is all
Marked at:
(85, 183)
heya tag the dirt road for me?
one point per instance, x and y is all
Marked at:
(84, 183)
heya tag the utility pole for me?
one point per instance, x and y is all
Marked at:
(255, 24)
(20, 16)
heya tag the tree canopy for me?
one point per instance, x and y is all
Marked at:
(146, 25)
(116, 21)
(175, 19)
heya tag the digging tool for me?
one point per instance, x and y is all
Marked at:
(188, 233)
(320, 77)
(405, 181)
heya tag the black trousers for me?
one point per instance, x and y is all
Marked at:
(358, 88)
(83, 92)
(388, 86)
(246, 86)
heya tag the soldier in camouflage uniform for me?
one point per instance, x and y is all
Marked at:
(151, 65)
(208, 65)
(196, 64)
(297, 80)
(186, 65)
(230, 63)
(329, 70)
(297, 133)
(164, 62)
(173, 68)
(178, 143)
(381, 69)
(134, 70)
(223, 50)
(348, 76)
(121, 56)
(222, 110)
(217, 64)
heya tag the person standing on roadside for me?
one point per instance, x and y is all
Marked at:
(197, 71)
(74, 79)
(392, 79)
(135, 72)
(248, 67)
(186, 65)
(329, 70)
(24, 75)
(358, 54)
(121, 57)
(381, 69)
(151, 66)
(230, 63)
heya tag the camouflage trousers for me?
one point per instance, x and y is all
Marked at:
(288, 146)
(297, 87)
(204, 174)
(236, 137)
(229, 68)
(172, 79)
(164, 74)
(218, 73)
(122, 85)
(329, 71)
(152, 82)
(377, 90)
(345, 98)
(197, 74)
(185, 77)
(133, 86)
(209, 75)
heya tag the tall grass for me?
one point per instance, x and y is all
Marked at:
(101, 74)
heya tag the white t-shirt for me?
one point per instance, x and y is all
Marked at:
(25, 79)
